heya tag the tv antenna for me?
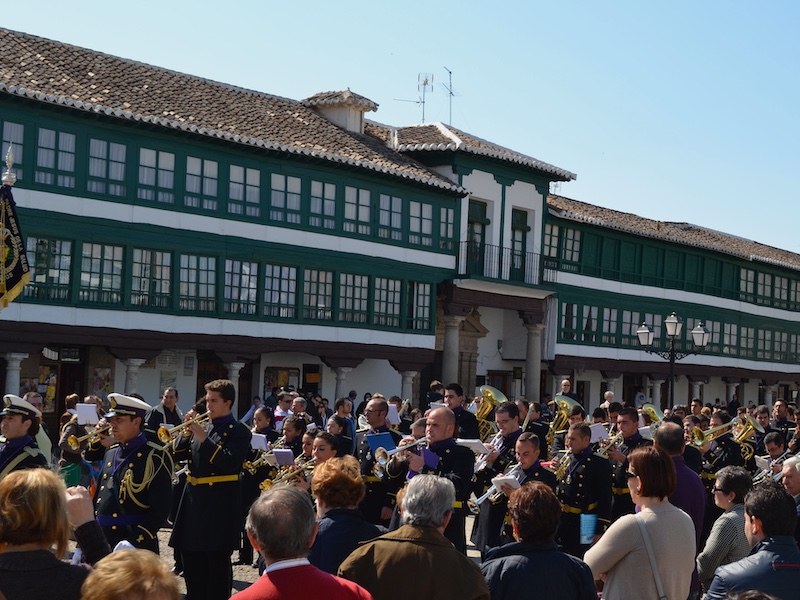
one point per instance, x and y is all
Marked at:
(424, 86)
(450, 92)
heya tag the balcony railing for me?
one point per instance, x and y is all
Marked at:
(500, 264)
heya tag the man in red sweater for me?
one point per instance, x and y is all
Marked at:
(281, 525)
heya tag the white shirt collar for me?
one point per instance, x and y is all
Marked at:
(286, 564)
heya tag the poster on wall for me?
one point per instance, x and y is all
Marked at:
(169, 379)
(280, 377)
(101, 382)
(48, 379)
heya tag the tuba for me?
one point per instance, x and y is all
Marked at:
(654, 413)
(492, 398)
(561, 419)
(745, 430)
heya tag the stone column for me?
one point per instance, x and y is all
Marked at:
(730, 390)
(657, 383)
(533, 362)
(696, 389)
(407, 389)
(233, 374)
(450, 353)
(768, 392)
(341, 380)
(13, 371)
(611, 383)
(132, 373)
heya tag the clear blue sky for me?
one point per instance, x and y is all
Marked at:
(678, 111)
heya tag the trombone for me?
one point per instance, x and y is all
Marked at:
(701, 438)
(75, 442)
(166, 435)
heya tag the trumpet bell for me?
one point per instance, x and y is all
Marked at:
(653, 412)
(493, 395)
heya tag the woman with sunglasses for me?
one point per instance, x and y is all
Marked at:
(727, 542)
(622, 557)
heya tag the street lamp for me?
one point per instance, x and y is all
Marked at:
(673, 325)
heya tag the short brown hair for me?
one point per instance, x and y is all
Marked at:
(337, 482)
(130, 574)
(531, 438)
(33, 509)
(536, 510)
(225, 388)
(655, 470)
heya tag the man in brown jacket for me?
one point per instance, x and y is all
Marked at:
(418, 547)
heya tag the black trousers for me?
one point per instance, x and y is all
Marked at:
(208, 575)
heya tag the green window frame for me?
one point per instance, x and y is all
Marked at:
(420, 223)
(322, 209)
(280, 291)
(151, 277)
(285, 198)
(353, 298)
(390, 217)
(747, 337)
(630, 323)
(590, 325)
(386, 305)
(156, 181)
(609, 326)
(198, 283)
(50, 263)
(764, 344)
(763, 288)
(447, 227)
(780, 351)
(572, 245)
(240, 294)
(244, 191)
(101, 273)
(106, 168)
(730, 339)
(550, 245)
(569, 321)
(419, 306)
(747, 285)
(202, 183)
(780, 292)
(14, 136)
(55, 158)
(317, 295)
(357, 211)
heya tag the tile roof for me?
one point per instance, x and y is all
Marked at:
(679, 233)
(57, 73)
(438, 137)
(340, 98)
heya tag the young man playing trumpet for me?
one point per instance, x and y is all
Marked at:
(209, 518)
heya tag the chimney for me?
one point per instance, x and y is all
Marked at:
(344, 109)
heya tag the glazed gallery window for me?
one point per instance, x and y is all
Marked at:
(201, 183)
(241, 287)
(388, 294)
(55, 158)
(285, 198)
(198, 283)
(280, 291)
(317, 295)
(106, 168)
(357, 211)
(391, 217)
(50, 262)
(13, 137)
(156, 176)
(150, 278)
(353, 298)
(101, 273)
(323, 205)
(244, 192)
(419, 306)
(420, 223)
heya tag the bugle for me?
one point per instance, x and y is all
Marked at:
(166, 435)
(383, 456)
(75, 442)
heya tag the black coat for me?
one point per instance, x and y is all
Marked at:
(340, 532)
(134, 493)
(467, 425)
(379, 493)
(209, 517)
(523, 570)
(31, 458)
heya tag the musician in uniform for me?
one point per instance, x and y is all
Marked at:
(575, 415)
(486, 527)
(762, 418)
(134, 491)
(294, 428)
(584, 487)
(723, 451)
(20, 424)
(466, 421)
(781, 422)
(209, 520)
(628, 426)
(536, 424)
(379, 499)
(455, 463)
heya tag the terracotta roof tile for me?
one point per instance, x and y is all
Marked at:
(57, 73)
(340, 98)
(680, 233)
(438, 137)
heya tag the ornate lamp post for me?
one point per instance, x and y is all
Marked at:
(673, 325)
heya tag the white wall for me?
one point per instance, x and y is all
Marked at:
(151, 373)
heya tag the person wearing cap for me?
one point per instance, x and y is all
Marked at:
(134, 490)
(209, 519)
(19, 427)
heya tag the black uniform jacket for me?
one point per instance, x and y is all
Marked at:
(209, 516)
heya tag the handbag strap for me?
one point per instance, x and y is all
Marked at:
(651, 556)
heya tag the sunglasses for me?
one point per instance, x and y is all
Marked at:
(629, 475)
(717, 490)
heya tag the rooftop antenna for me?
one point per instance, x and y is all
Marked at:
(424, 83)
(450, 93)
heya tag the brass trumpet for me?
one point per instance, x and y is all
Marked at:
(166, 435)
(492, 493)
(304, 471)
(383, 456)
(701, 438)
(614, 440)
(75, 442)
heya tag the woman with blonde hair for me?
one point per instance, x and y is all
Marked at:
(34, 532)
(131, 575)
(338, 488)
